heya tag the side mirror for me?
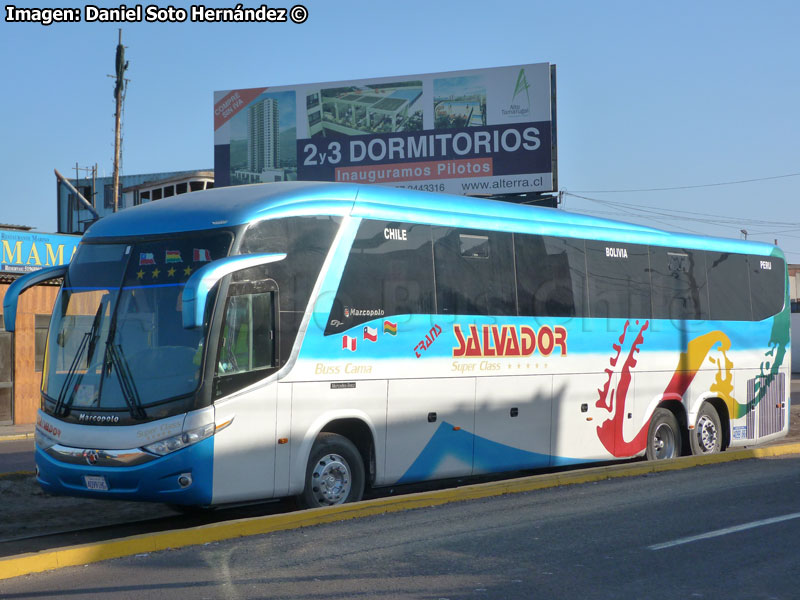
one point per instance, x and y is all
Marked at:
(20, 285)
(200, 283)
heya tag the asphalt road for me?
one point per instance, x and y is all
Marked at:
(733, 528)
(16, 455)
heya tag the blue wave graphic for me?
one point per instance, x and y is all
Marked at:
(484, 455)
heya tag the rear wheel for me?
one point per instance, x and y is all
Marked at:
(663, 436)
(334, 474)
(706, 437)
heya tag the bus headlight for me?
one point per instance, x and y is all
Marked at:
(182, 440)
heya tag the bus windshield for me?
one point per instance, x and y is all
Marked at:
(116, 339)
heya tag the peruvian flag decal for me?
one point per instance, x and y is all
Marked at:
(349, 343)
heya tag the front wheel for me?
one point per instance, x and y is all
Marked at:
(334, 474)
(706, 437)
(663, 436)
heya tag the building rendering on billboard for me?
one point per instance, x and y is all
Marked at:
(478, 132)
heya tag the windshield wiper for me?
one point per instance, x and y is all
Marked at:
(126, 383)
(89, 341)
(62, 394)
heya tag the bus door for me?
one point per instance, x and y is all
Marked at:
(246, 354)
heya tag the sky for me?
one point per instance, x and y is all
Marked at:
(685, 95)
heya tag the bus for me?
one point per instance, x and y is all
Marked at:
(316, 339)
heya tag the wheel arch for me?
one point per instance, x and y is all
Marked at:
(674, 404)
(724, 418)
(676, 407)
(360, 433)
(354, 425)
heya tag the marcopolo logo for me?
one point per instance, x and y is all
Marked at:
(87, 418)
(520, 105)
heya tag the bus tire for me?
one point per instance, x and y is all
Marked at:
(663, 436)
(706, 437)
(334, 474)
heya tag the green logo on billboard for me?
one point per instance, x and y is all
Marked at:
(519, 108)
(522, 86)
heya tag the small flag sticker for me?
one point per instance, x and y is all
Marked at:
(146, 258)
(390, 328)
(173, 256)
(201, 255)
(371, 334)
(349, 343)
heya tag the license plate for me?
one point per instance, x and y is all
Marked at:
(96, 482)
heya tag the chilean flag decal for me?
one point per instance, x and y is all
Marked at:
(349, 343)
(371, 334)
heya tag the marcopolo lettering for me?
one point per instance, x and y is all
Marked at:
(86, 418)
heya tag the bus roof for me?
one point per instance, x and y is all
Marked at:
(238, 205)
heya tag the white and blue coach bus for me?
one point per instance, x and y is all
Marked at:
(315, 339)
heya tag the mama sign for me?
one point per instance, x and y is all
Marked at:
(23, 251)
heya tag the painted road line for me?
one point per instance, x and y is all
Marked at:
(36, 562)
(725, 531)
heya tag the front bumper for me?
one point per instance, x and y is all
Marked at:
(154, 481)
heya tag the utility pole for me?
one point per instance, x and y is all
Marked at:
(119, 92)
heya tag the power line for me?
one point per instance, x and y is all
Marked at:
(683, 215)
(689, 187)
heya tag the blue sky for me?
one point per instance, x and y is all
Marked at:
(650, 95)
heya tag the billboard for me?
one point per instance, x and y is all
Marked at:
(24, 251)
(476, 132)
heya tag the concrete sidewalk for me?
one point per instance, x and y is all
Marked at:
(16, 432)
(21, 432)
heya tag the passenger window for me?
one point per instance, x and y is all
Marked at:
(551, 276)
(474, 272)
(305, 241)
(389, 272)
(619, 280)
(728, 287)
(767, 285)
(680, 286)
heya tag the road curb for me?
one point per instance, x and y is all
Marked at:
(83, 554)
(10, 437)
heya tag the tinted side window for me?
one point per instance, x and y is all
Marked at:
(389, 272)
(306, 241)
(728, 287)
(680, 289)
(551, 276)
(767, 281)
(619, 280)
(474, 272)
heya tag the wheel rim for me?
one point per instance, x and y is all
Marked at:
(331, 480)
(664, 442)
(706, 434)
